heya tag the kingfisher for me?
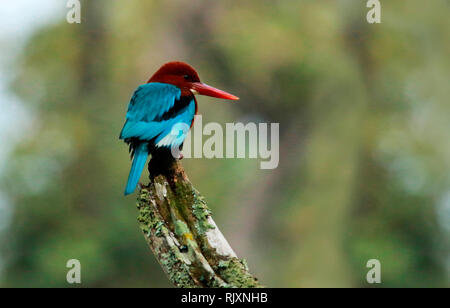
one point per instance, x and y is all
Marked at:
(155, 108)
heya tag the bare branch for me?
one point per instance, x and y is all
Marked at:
(179, 229)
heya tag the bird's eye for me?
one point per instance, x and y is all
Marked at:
(186, 77)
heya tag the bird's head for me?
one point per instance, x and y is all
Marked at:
(185, 77)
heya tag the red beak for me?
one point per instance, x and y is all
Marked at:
(204, 89)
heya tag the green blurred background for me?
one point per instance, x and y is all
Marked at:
(364, 119)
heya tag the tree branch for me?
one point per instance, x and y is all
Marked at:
(179, 229)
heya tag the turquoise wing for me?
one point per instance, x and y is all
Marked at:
(158, 113)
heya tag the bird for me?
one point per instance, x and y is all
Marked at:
(156, 107)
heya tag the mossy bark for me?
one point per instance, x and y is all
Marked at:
(179, 229)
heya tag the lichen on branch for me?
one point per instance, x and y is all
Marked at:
(184, 238)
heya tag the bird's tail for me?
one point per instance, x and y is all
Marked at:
(139, 160)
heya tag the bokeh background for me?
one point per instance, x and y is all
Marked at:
(364, 119)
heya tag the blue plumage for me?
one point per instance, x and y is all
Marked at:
(157, 116)
(139, 160)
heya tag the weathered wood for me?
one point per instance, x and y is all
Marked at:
(179, 229)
